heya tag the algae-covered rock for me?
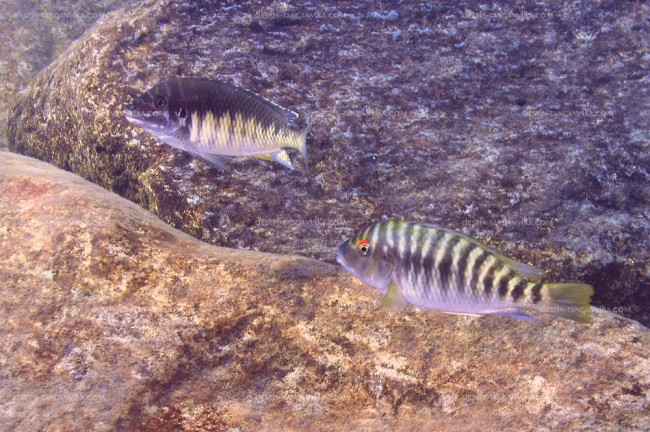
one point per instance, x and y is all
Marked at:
(523, 126)
(33, 34)
(112, 320)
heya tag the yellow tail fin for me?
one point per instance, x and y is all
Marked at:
(570, 300)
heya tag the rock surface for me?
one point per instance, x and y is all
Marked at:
(33, 34)
(112, 321)
(524, 126)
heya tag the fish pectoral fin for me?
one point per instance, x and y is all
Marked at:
(393, 301)
(281, 156)
(172, 141)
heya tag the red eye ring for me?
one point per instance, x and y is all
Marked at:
(363, 247)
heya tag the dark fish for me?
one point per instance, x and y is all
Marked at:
(437, 268)
(211, 119)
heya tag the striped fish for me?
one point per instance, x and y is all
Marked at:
(436, 268)
(212, 119)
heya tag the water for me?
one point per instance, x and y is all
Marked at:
(525, 127)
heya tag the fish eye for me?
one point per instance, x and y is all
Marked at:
(363, 247)
(182, 113)
(160, 102)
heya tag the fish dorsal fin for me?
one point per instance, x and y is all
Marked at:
(522, 269)
(290, 116)
(393, 301)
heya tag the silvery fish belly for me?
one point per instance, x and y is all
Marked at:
(211, 119)
(436, 268)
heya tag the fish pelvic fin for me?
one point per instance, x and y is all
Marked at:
(214, 160)
(393, 301)
(569, 300)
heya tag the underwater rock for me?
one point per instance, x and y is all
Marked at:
(112, 320)
(35, 33)
(523, 127)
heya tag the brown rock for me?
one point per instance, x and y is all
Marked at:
(113, 320)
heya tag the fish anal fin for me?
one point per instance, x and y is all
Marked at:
(469, 314)
(512, 313)
(282, 157)
(393, 301)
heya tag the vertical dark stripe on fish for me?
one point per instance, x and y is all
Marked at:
(429, 260)
(444, 268)
(406, 233)
(502, 289)
(536, 293)
(393, 228)
(488, 281)
(461, 264)
(386, 233)
(519, 289)
(416, 254)
(476, 270)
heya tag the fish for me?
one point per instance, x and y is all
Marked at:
(432, 267)
(214, 120)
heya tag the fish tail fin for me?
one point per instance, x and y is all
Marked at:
(303, 144)
(570, 300)
(301, 125)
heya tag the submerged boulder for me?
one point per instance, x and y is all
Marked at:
(33, 34)
(112, 320)
(525, 128)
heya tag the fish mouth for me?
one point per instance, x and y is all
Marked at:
(138, 120)
(133, 117)
(140, 123)
(340, 259)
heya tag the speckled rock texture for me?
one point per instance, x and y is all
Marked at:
(112, 320)
(523, 125)
(32, 34)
